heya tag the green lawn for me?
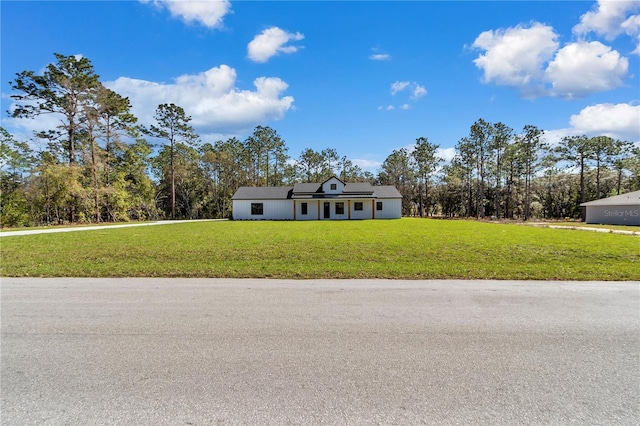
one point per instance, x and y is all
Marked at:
(406, 248)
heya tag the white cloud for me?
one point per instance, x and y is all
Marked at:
(208, 13)
(610, 19)
(380, 57)
(271, 42)
(636, 51)
(399, 86)
(515, 56)
(579, 69)
(23, 129)
(619, 121)
(364, 164)
(529, 59)
(418, 92)
(211, 98)
(632, 25)
(447, 154)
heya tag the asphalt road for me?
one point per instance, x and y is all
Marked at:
(261, 352)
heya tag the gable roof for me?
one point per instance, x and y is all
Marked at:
(263, 193)
(628, 199)
(307, 188)
(387, 191)
(314, 190)
(332, 178)
(364, 188)
(351, 190)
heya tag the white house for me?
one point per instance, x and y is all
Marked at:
(331, 199)
(618, 210)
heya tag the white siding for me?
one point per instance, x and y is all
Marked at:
(391, 209)
(283, 209)
(271, 210)
(365, 213)
(312, 210)
(332, 210)
(326, 187)
(345, 213)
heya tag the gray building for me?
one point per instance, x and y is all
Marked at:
(619, 210)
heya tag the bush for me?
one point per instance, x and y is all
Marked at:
(13, 212)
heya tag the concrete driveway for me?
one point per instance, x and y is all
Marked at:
(57, 229)
(202, 351)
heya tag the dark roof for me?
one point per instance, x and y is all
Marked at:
(387, 191)
(333, 177)
(314, 190)
(628, 199)
(358, 188)
(307, 188)
(351, 190)
(263, 193)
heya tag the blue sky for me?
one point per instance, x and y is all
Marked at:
(363, 77)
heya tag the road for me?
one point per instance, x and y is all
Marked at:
(267, 352)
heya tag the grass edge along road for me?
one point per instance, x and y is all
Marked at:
(393, 249)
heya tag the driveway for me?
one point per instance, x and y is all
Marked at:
(268, 352)
(57, 229)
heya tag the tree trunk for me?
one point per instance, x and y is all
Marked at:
(583, 195)
(619, 183)
(527, 190)
(498, 188)
(421, 206)
(173, 184)
(94, 171)
(426, 197)
(598, 179)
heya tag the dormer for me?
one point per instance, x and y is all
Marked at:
(333, 186)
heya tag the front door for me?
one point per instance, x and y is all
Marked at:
(327, 210)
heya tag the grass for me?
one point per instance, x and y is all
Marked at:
(406, 248)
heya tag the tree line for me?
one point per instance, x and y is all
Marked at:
(99, 165)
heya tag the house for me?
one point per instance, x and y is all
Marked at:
(331, 199)
(618, 210)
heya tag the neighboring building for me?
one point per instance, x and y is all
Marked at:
(332, 199)
(619, 210)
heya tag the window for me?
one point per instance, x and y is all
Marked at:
(339, 208)
(357, 206)
(378, 205)
(303, 208)
(334, 186)
(256, 208)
